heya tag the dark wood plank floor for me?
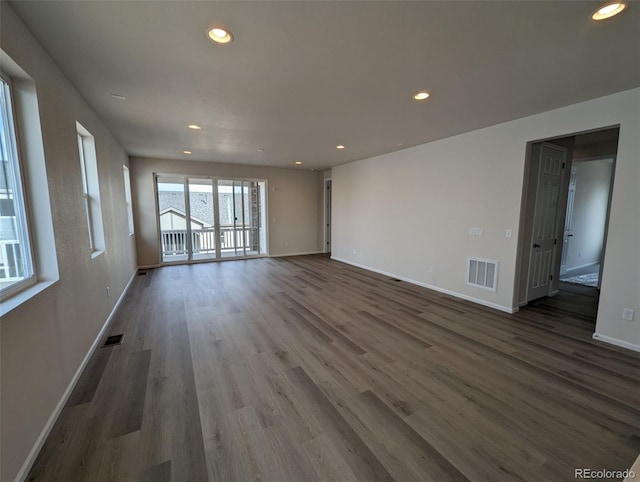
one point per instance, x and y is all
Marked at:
(578, 301)
(307, 369)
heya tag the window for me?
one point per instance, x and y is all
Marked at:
(91, 190)
(127, 197)
(16, 260)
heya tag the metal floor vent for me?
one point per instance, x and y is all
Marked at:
(114, 340)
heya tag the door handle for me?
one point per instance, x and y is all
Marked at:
(536, 245)
(569, 235)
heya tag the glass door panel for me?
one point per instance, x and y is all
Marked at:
(174, 240)
(202, 219)
(227, 216)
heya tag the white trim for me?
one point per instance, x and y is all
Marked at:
(294, 254)
(12, 301)
(616, 342)
(35, 450)
(431, 287)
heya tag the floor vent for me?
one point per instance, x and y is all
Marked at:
(142, 273)
(114, 340)
(396, 280)
(482, 273)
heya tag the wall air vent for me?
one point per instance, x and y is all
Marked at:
(482, 273)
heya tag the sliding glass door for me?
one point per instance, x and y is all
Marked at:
(226, 218)
(202, 217)
(242, 217)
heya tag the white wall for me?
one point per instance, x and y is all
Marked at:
(589, 212)
(407, 211)
(45, 340)
(292, 203)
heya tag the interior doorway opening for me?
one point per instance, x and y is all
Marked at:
(327, 215)
(567, 191)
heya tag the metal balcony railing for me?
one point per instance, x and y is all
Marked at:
(203, 241)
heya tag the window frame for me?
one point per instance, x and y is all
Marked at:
(92, 199)
(21, 207)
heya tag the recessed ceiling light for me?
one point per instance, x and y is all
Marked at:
(298, 163)
(340, 147)
(219, 35)
(609, 10)
(260, 149)
(118, 96)
(186, 152)
(421, 95)
(195, 127)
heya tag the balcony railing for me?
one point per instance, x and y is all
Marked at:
(10, 266)
(203, 241)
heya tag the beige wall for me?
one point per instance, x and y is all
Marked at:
(593, 179)
(292, 203)
(45, 340)
(404, 212)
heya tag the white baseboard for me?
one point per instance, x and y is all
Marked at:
(294, 254)
(455, 294)
(35, 450)
(616, 342)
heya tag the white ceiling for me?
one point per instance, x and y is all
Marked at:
(303, 76)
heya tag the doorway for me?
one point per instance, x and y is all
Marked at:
(327, 216)
(204, 219)
(585, 221)
(567, 191)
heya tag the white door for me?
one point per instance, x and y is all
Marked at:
(543, 243)
(567, 235)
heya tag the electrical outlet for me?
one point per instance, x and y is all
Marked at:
(430, 269)
(507, 233)
(628, 314)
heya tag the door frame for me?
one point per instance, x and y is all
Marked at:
(327, 224)
(214, 181)
(527, 207)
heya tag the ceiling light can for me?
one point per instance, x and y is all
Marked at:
(608, 10)
(219, 35)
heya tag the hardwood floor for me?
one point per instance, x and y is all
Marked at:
(307, 369)
(577, 301)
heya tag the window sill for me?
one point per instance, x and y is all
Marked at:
(95, 254)
(23, 296)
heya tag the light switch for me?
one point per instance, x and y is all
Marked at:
(507, 233)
